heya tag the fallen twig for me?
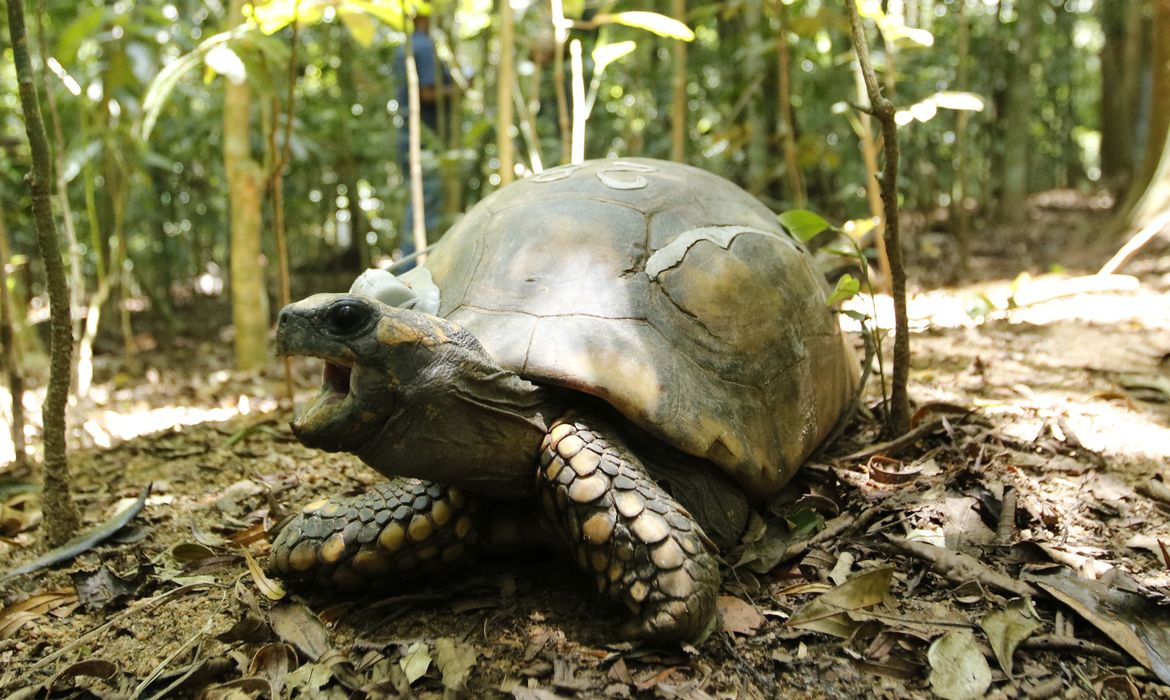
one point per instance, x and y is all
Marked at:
(1133, 245)
(898, 443)
(960, 568)
(1055, 642)
(1005, 529)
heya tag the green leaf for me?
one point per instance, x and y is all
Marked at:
(160, 88)
(803, 224)
(360, 25)
(847, 288)
(856, 315)
(606, 54)
(387, 11)
(651, 22)
(87, 24)
(273, 16)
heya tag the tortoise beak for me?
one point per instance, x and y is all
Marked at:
(322, 423)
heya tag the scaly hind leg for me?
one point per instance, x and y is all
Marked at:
(639, 544)
(397, 530)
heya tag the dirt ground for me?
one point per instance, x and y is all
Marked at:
(1015, 545)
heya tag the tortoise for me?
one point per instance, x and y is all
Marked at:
(624, 354)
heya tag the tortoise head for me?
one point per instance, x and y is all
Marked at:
(410, 393)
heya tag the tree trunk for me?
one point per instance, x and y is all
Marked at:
(418, 225)
(1159, 112)
(61, 517)
(12, 365)
(959, 214)
(246, 183)
(873, 189)
(898, 413)
(1017, 137)
(561, 36)
(1154, 198)
(786, 122)
(347, 171)
(577, 68)
(505, 77)
(757, 125)
(678, 87)
(1120, 56)
(76, 281)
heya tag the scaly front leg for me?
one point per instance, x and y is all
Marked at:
(641, 546)
(397, 530)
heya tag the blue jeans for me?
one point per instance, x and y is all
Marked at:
(432, 186)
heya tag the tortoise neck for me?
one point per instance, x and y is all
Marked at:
(478, 428)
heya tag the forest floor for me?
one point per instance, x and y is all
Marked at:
(1016, 545)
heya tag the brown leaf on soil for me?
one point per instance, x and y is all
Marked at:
(92, 668)
(11, 622)
(739, 617)
(455, 660)
(271, 588)
(958, 669)
(1007, 628)
(252, 535)
(273, 662)
(19, 513)
(297, 625)
(249, 628)
(828, 614)
(620, 672)
(102, 589)
(1133, 622)
(653, 680)
(250, 687)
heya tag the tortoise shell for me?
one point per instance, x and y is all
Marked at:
(668, 292)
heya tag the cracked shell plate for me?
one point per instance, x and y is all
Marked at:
(668, 292)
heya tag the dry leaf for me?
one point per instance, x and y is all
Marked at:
(958, 669)
(1133, 622)
(415, 662)
(92, 668)
(1006, 628)
(10, 623)
(455, 661)
(295, 624)
(308, 681)
(273, 662)
(739, 617)
(828, 614)
(271, 588)
(655, 679)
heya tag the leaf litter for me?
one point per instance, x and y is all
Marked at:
(1014, 544)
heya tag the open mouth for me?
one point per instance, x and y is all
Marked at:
(331, 408)
(335, 382)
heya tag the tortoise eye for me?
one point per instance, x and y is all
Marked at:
(346, 317)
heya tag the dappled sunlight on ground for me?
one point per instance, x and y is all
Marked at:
(1048, 299)
(129, 405)
(1087, 350)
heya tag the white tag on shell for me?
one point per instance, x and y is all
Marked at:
(414, 290)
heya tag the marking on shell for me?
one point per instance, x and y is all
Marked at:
(672, 253)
